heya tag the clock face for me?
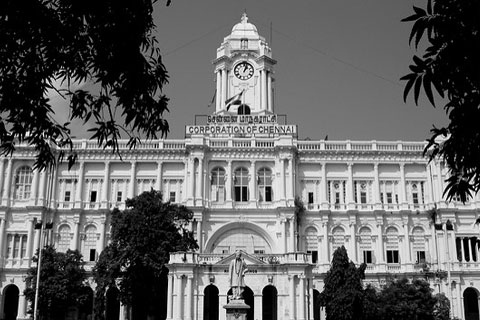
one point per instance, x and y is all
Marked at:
(243, 70)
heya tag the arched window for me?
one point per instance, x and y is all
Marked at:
(210, 303)
(243, 109)
(23, 183)
(419, 245)
(249, 299)
(241, 185)
(470, 304)
(264, 185)
(391, 245)
(338, 238)
(10, 305)
(112, 308)
(269, 303)
(365, 244)
(311, 243)
(63, 240)
(218, 185)
(90, 243)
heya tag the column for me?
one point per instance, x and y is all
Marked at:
(159, 176)
(106, 182)
(291, 279)
(170, 297)
(376, 187)
(459, 302)
(353, 243)
(301, 297)
(101, 242)
(350, 198)
(380, 247)
(200, 192)
(270, 91)
(469, 245)
(439, 188)
(199, 236)
(282, 179)
(79, 190)
(292, 234)
(218, 92)
(75, 235)
(228, 184)
(224, 87)
(323, 186)
(28, 253)
(403, 194)
(406, 247)
(33, 196)
(253, 180)
(310, 300)
(325, 257)
(133, 169)
(290, 190)
(123, 313)
(2, 169)
(189, 302)
(257, 302)
(178, 298)
(21, 306)
(8, 183)
(460, 255)
(2, 237)
(191, 183)
(263, 86)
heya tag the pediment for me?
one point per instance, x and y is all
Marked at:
(249, 259)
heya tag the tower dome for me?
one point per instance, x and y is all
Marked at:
(244, 29)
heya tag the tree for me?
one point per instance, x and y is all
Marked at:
(451, 66)
(63, 283)
(402, 300)
(108, 44)
(142, 237)
(343, 293)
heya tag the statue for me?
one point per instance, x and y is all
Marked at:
(237, 271)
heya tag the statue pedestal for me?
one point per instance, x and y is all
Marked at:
(236, 309)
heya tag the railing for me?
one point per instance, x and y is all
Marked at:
(348, 145)
(213, 258)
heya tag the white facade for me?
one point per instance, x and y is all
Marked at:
(241, 180)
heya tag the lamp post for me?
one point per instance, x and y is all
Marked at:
(48, 226)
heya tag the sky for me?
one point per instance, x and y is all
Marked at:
(338, 64)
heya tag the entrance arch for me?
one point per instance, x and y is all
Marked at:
(10, 302)
(269, 303)
(316, 304)
(470, 303)
(112, 308)
(210, 303)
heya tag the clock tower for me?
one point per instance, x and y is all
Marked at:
(244, 72)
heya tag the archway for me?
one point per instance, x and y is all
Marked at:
(316, 304)
(210, 303)
(112, 308)
(470, 304)
(11, 294)
(249, 300)
(269, 303)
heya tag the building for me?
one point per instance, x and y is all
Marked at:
(240, 171)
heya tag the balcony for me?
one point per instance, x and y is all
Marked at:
(214, 258)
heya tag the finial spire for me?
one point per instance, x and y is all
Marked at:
(244, 17)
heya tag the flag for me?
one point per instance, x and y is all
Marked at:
(213, 99)
(235, 100)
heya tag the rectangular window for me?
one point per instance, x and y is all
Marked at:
(363, 197)
(241, 194)
(421, 257)
(367, 256)
(389, 197)
(415, 198)
(93, 196)
(268, 193)
(259, 251)
(310, 198)
(119, 196)
(337, 197)
(173, 196)
(67, 196)
(392, 256)
(24, 247)
(93, 255)
(314, 256)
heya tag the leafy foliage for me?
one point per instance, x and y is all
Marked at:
(343, 293)
(450, 66)
(142, 237)
(402, 300)
(62, 284)
(108, 44)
